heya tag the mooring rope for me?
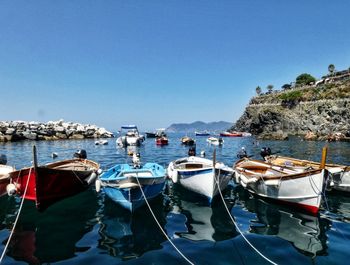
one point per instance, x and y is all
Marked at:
(17, 217)
(160, 227)
(233, 221)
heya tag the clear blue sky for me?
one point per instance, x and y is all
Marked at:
(153, 63)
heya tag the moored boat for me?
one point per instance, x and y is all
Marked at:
(123, 183)
(231, 134)
(299, 187)
(161, 137)
(202, 133)
(53, 182)
(131, 138)
(339, 174)
(200, 175)
(215, 141)
(5, 177)
(187, 140)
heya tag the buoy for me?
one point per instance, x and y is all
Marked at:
(202, 153)
(91, 178)
(54, 155)
(11, 189)
(98, 185)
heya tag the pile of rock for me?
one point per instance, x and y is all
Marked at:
(52, 130)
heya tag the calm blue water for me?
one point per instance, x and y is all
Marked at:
(91, 229)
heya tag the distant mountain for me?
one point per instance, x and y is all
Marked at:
(216, 126)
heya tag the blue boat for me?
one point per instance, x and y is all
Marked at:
(122, 183)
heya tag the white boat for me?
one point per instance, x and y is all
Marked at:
(101, 142)
(339, 174)
(299, 187)
(131, 137)
(199, 175)
(5, 177)
(215, 141)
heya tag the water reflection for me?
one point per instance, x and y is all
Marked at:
(128, 235)
(307, 233)
(50, 236)
(200, 221)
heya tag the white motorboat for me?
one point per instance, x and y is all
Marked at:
(200, 175)
(131, 137)
(215, 141)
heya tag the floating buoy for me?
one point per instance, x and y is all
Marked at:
(98, 185)
(202, 153)
(91, 178)
(11, 189)
(54, 155)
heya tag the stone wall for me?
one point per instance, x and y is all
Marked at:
(52, 130)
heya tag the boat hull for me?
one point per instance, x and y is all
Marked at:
(205, 180)
(303, 191)
(132, 198)
(48, 185)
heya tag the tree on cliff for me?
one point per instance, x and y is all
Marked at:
(331, 69)
(305, 79)
(258, 90)
(269, 89)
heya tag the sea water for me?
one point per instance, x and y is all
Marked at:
(91, 229)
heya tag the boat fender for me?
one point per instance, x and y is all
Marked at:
(99, 171)
(98, 185)
(11, 189)
(91, 178)
(175, 176)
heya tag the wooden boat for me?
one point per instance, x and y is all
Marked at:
(53, 182)
(122, 183)
(339, 174)
(150, 135)
(203, 133)
(131, 137)
(231, 134)
(200, 175)
(5, 178)
(299, 187)
(215, 141)
(187, 140)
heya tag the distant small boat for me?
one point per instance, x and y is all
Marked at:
(131, 138)
(231, 134)
(53, 182)
(161, 137)
(203, 133)
(215, 141)
(121, 184)
(187, 140)
(200, 175)
(101, 142)
(150, 135)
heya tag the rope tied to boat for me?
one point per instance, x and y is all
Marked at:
(17, 217)
(236, 225)
(159, 225)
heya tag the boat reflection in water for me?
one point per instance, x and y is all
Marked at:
(127, 235)
(199, 220)
(306, 232)
(43, 238)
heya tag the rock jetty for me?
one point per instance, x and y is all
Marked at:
(52, 130)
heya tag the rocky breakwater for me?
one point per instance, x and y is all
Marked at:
(52, 130)
(315, 113)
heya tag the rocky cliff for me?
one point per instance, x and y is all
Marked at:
(52, 130)
(318, 112)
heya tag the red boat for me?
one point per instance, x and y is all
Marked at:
(54, 181)
(162, 140)
(229, 134)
